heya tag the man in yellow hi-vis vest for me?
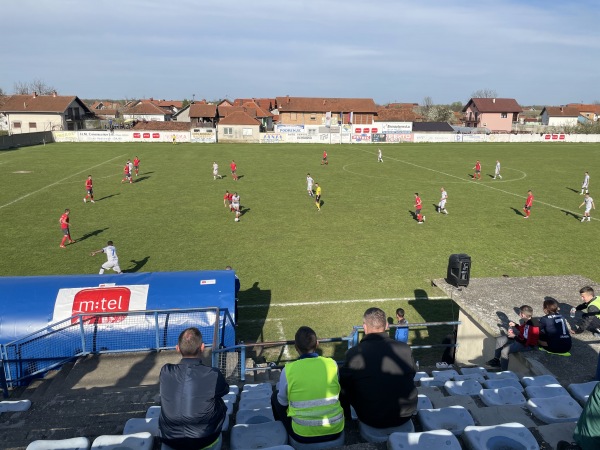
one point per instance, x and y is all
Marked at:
(307, 398)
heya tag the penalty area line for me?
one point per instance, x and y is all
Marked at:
(339, 302)
(59, 181)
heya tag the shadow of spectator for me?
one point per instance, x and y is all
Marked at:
(137, 265)
(91, 234)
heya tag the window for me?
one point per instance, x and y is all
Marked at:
(294, 116)
(313, 116)
(246, 131)
(32, 125)
(228, 131)
(503, 115)
(16, 124)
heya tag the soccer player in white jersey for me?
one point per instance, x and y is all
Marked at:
(216, 171)
(589, 204)
(379, 155)
(497, 171)
(112, 260)
(585, 186)
(442, 203)
(130, 164)
(235, 206)
(309, 185)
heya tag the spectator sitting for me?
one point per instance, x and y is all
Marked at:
(307, 394)
(554, 334)
(589, 320)
(519, 338)
(378, 376)
(401, 332)
(587, 430)
(192, 409)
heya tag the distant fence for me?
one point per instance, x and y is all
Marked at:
(25, 139)
(307, 135)
(83, 334)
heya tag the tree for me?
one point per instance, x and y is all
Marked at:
(185, 102)
(456, 106)
(37, 86)
(485, 93)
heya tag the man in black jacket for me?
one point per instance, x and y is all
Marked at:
(192, 408)
(377, 378)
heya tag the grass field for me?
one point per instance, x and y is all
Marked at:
(299, 266)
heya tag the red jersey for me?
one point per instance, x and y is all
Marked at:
(233, 167)
(324, 154)
(64, 221)
(477, 166)
(88, 184)
(227, 196)
(126, 169)
(418, 202)
(529, 200)
(136, 162)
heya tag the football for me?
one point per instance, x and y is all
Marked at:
(237, 219)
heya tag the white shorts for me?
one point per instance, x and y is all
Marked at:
(588, 210)
(309, 187)
(235, 206)
(215, 172)
(442, 204)
(114, 265)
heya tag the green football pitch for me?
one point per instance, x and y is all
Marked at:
(298, 265)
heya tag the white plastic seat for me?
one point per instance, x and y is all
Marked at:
(229, 405)
(540, 380)
(258, 415)
(260, 435)
(550, 390)
(502, 396)
(257, 386)
(137, 441)
(563, 408)
(511, 435)
(234, 389)
(471, 370)
(444, 374)
(470, 376)
(254, 403)
(153, 412)
(466, 387)
(423, 402)
(231, 397)
(214, 446)
(426, 440)
(451, 418)
(372, 434)
(503, 382)
(14, 405)
(78, 443)
(257, 393)
(338, 442)
(140, 425)
(502, 375)
(582, 391)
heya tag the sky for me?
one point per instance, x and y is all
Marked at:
(538, 52)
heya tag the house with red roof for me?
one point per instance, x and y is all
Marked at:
(32, 113)
(239, 126)
(314, 110)
(146, 112)
(590, 112)
(495, 114)
(200, 115)
(560, 116)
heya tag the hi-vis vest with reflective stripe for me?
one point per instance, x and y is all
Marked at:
(313, 390)
(595, 302)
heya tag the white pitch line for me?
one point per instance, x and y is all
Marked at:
(58, 182)
(286, 352)
(338, 302)
(483, 185)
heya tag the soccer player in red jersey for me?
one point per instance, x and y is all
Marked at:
(324, 160)
(233, 166)
(64, 225)
(528, 204)
(89, 190)
(126, 173)
(136, 165)
(227, 199)
(477, 170)
(418, 207)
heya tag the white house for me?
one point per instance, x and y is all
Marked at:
(560, 116)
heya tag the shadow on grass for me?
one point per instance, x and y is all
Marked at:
(569, 213)
(239, 177)
(244, 210)
(91, 234)
(142, 178)
(107, 197)
(571, 189)
(435, 206)
(517, 212)
(490, 175)
(137, 265)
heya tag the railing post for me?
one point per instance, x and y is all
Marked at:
(82, 332)
(216, 330)
(243, 363)
(3, 382)
(157, 333)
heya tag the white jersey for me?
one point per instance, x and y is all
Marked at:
(444, 196)
(111, 254)
(215, 168)
(235, 200)
(130, 164)
(589, 201)
(309, 182)
(586, 181)
(379, 155)
(497, 167)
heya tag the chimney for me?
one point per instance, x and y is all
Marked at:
(53, 93)
(493, 100)
(324, 101)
